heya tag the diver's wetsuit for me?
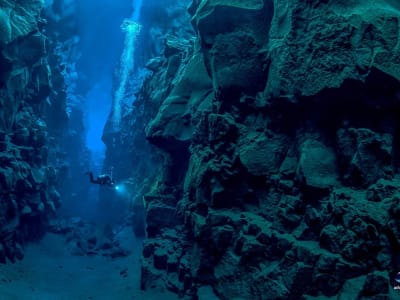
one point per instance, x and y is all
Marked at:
(103, 179)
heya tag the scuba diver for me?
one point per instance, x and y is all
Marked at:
(103, 179)
(397, 282)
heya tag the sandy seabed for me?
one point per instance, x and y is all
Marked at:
(49, 272)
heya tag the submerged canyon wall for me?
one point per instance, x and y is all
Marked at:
(138, 166)
(279, 134)
(31, 116)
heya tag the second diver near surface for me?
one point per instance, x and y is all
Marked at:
(103, 179)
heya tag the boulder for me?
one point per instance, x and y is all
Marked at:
(161, 213)
(160, 258)
(222, 237)
(383, 189)
(376, 283)
(365, 155)
(173, 122)
(150, 278)
(221, 128)
(317, 165)
(233, 43)
(345, 41)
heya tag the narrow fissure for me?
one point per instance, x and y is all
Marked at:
(199, 149)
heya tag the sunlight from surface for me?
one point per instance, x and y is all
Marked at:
(132, 30)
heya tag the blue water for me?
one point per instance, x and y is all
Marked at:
(97, 106)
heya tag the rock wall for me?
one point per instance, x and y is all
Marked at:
(28, 195)
(66, 122)
(137, 165)
(280, 138)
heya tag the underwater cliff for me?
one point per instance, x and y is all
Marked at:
(27, 127)
(279, 135)
(256, 142)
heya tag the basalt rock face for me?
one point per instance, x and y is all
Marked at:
(138, 166)
(28, 194)
(281, 131)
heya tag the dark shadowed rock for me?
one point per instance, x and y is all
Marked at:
(233, 45)
(160, 258)
(161, 213)
(382, 189)
(366, 156)
(262, 155)
(317, 165)
(278, 129)
(26, 84)
(329, 39)
(375, 284)
(2, 254)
